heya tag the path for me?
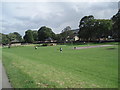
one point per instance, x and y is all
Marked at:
(5, 81)
(93, 46)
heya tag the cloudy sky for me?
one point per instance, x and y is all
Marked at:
(21, 16)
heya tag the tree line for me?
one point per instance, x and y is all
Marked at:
(89, 29)
(94, 29)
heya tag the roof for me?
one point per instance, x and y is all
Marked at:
(49, 39)
(15, 40)
(75, 29)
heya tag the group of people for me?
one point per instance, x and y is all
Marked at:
(60, 49)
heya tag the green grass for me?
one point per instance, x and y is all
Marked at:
(46, 67)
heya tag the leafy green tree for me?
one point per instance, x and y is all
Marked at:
(102, 28)
(93, 29)
(58, 37)
(35, 35)
(86, 27)
(14, 36)
(5, 39)
(18, 36)
(29, 36)
(11, 36)
(66, 34)
(116, 25)
(44, 33)
(68, 28)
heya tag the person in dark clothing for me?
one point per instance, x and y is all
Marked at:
(61, 50)
(74, 47)
(35, 47)
(9, 46)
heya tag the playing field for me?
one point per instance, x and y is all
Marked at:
(46, 67)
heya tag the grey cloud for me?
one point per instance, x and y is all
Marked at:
(23, 18)
(104, 5)
(65, 14)
(119, 5)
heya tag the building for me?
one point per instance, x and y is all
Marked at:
(15, 43)
(74, 37)
(75, 31)
(49, 39)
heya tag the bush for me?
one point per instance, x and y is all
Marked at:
(45, 44)
(38, 45)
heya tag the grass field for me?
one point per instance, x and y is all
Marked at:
(46, 67)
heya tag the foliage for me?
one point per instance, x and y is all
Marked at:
(58, 37)
(35, 35)
(29, 36)
(116, 25)
(44, 33)
(103, 28)
(18, 36)
(45, 44)
(93, 29)
(11, 36)
(68, 28)
(86, 27)
(67, 34)
(5, 39)
(8, 38)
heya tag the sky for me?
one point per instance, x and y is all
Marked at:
(21, 16)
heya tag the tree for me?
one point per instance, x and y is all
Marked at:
(35, 35)
(8, 38)
(58, 37)
(18, 36)
(44, 33)
(29, 36)
(11, 36)
(15, 36)
(102, 28)
(66, 34)
(93, 29)
(68, 28)
(86, 27)
(5, 39)
(116, 25)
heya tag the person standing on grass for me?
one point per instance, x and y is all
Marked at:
(35, 47)
(9, 46)
(61, 50)
(74, 47)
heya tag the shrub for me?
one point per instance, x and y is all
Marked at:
(45, 44)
